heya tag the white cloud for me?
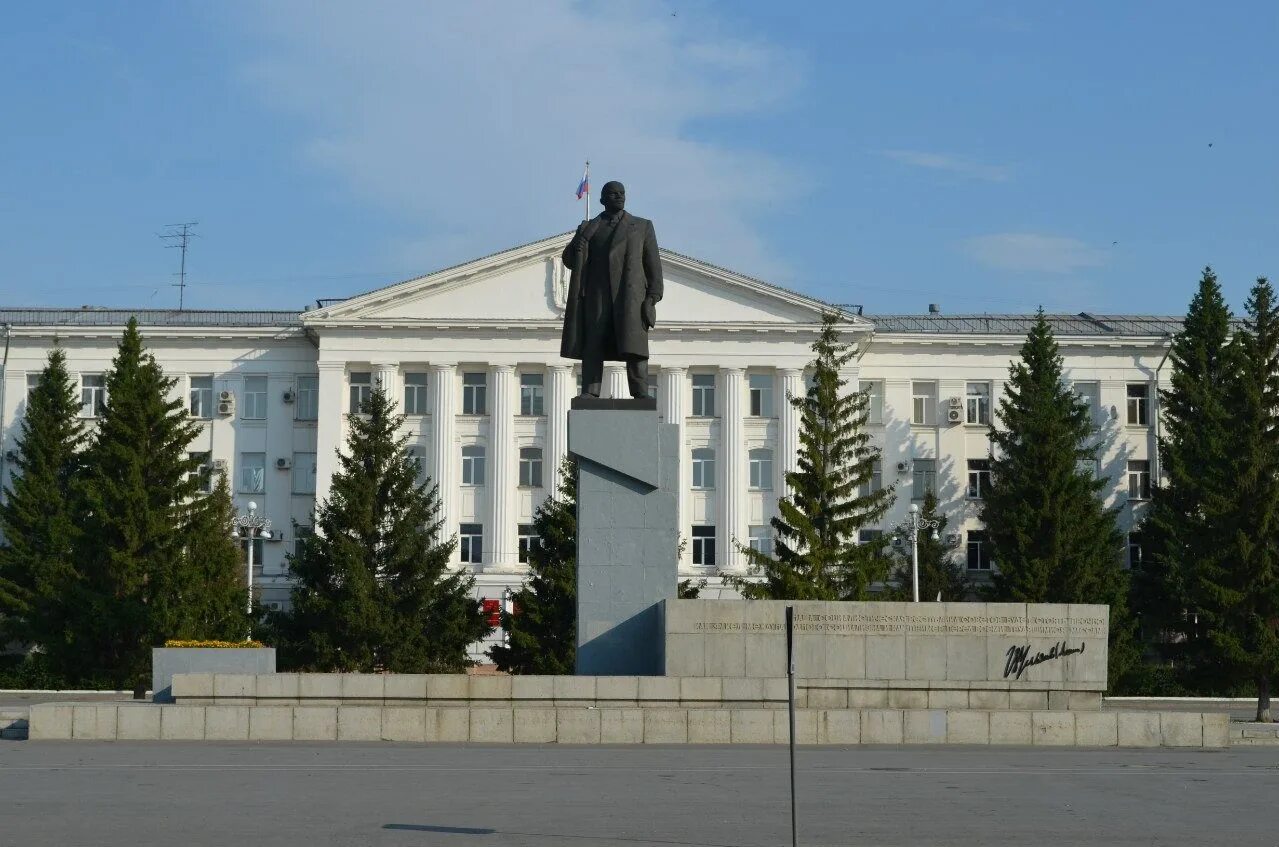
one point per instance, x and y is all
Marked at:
(471, 120)
(949, 163)
(1033, 252)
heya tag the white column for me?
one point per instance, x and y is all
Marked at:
(559, 396)
(501, 530)
(387, 376)
(615, 379)
(330, 426)
(445, 459)
(732, 468)
(673, 411)
(792, 385)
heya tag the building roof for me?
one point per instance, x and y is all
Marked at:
(1062, 324)
(101, 316)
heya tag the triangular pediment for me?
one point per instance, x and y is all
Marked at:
(528, 284)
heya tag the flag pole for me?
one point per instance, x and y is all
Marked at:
(586, 198)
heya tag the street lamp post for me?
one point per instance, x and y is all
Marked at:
(250, 526)
(914, 523)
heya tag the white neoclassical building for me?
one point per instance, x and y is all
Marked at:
(472, 355)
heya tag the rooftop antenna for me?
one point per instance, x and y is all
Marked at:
(180, 235)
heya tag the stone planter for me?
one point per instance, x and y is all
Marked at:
(166, 661)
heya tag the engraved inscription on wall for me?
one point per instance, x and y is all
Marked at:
(870, 623)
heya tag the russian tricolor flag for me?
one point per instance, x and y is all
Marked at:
(584, 187)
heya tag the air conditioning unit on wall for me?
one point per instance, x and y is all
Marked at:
(289, 397)
(956, 403)
(954, 415)
(903, 466)
(283, 463)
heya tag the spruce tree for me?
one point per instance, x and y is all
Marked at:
(1237, 591)
(212, 581)
(1195, 450)
(373, 589)
(941, 574)
(542, 634)
(1053, 539)
(815, 551)
(39, 517)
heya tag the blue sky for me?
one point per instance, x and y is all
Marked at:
(987, 156)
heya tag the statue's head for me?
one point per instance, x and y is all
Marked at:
(613, 197)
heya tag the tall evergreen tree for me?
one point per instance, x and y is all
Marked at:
(1237, 592)
(941, 574)
(212, 580)
(1051, 535)
(39, 516)
(542, 635)
(815, 551)
(1195, 450)
(373, 588)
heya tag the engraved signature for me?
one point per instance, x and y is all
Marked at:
(1020, 660)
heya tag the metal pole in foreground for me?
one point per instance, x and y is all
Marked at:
(790, 674)
(914, 548)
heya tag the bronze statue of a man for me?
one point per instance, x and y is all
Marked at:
(612, 293)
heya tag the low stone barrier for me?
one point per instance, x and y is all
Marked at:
(588, 725)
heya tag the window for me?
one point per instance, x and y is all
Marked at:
(703, 395)
(977, 403)
(923, 402)
(870, 536)
(1139, 480)
(471, 542)
(253, 473)
(302, 536)
(202, 476)
(761, 468)
(1138, 403)
(874, 391)
(202, 397)
(415, 393)
(703, 467)
(703, 545)
(93, 395)
(924, 473)
(361, 390)
(532, 395)
(33, 380)
(530, 467)
(254, 398)
(978, 478)
(473, 464)
(1090, 394)
(876, 481)
(307, 404)
(528, 540)
(652, 385)
(474, 393)
(257, 552)
(978, 551)
(1136, 553)
(761, 395)
(761, 539)
(303, 473)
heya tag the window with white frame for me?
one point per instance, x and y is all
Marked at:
(923, 403)
(93, 395)
(473, 464)
(1090, 394)
(415, 393)
(202, 475)
(258, 549)
(651, 385)
(33, 381)
(475, 393)
(532, 395)
(978, 478)
(703, 467)
(253, 473)
(761, 387)
(1139, 480)
(254, 408)
(470, 543)
(978, 550)
(704, 545)
(361, 383)
(303, 473)
(977, 403)
(528, 541)
(703, 395)
(1136, 550)
(874, 391)
(530, 467)
(1139, 403)
(306, 405)
(761, 469)
(924, 478)
(417, 455)
(876, 481)
(201, 404)
(761, 539)
(870, 536)
(302, 536)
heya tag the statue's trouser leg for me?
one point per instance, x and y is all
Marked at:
(637, 376)
(592, 371)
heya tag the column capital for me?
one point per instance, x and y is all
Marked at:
(672, 368)
(559, 368)
(442, 366)
(792, 372)
(502, 367)
(732, 369)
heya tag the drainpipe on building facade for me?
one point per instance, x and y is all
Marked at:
(1158, 407)
(4, 379)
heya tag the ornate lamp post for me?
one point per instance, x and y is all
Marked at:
(252, 526)
(914, 523)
